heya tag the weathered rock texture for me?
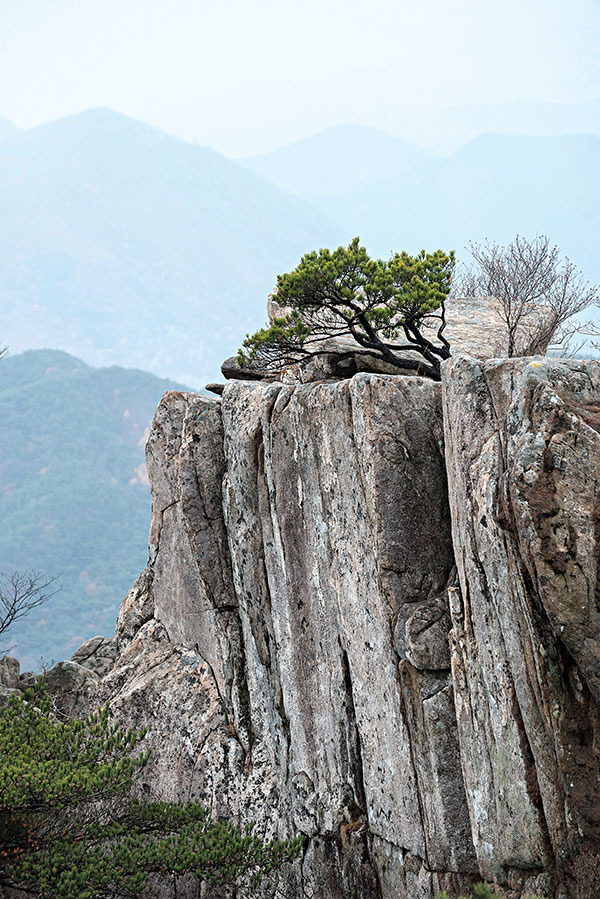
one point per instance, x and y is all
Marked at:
(523, 454)
(292, 649)
(72, 684)
(473, 325)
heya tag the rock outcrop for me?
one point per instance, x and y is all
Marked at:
(473, 325)
(523, 453)
(72, 684)
(369, 615)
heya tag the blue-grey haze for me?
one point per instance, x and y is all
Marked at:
(494, 187)
(123, 245)
(126, 246)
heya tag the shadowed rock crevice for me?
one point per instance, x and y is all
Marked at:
(357, 806)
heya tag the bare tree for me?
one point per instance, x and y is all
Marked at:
(538, 293)
(20, 593)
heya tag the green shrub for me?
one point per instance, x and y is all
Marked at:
(70, 827)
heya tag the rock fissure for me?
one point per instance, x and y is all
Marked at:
(531, 779)
(360, 799)
(414, 767)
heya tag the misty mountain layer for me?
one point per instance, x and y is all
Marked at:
(7, 129)
(124, 245)
(337, 160)
(496, 186)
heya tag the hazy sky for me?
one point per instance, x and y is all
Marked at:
(242, 75)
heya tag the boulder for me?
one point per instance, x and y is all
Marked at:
(98, 654)
(72, 688)
(232, 370)
(10, 671)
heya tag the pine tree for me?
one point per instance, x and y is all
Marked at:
(385, 308)
(70, 827)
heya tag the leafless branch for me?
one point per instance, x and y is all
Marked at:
(21, 592)
(538, 294)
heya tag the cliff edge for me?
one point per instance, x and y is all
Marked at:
(371, 615)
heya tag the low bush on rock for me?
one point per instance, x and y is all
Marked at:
(70, 827)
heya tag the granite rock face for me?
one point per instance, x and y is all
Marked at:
(10, 680)
(524, 469)
(98, 654)
(351, 630)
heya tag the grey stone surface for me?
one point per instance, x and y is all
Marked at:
(72, 687)
(288, 550)
(27, 680)
(10, 672)
(523, 455)
(231, 369)
(474, 326)
(98, 654)
(369, 616)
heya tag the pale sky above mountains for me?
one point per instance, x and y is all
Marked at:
(245, 77)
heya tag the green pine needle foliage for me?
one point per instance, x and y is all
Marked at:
(345, 293)
(70, 827)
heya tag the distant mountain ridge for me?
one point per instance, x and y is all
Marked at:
(444, 131)
(74, 495)
(495, 186)
(123, 244)
(328, 162)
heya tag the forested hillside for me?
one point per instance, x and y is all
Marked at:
(74, 496)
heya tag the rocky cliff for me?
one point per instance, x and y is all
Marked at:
(370, 615)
